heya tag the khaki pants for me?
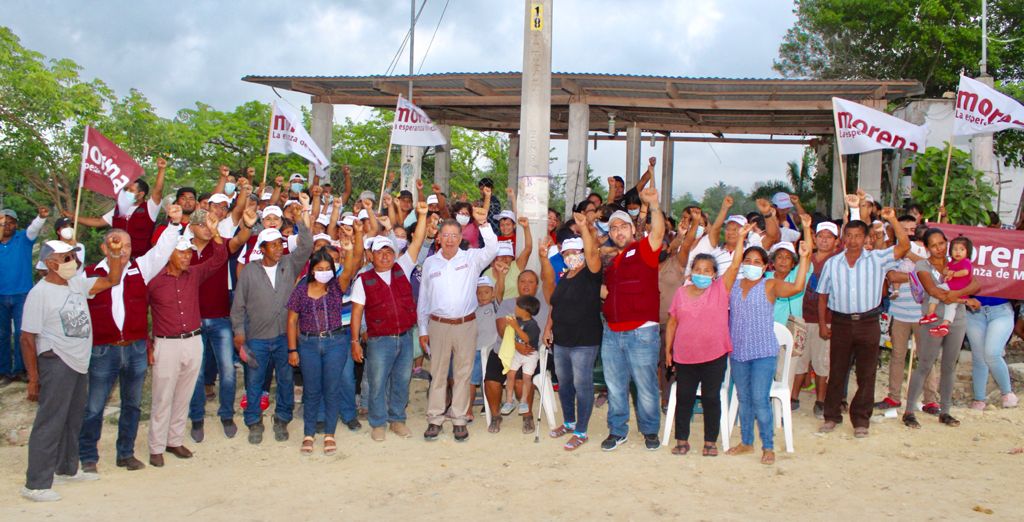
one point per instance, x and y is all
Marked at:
(454, 344)
(176, 364)
(897, 363)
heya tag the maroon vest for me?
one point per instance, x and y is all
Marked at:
(632, 288)
(389, 309)
(136, 308)
(138, 226)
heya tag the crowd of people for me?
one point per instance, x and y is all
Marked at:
(345, 299)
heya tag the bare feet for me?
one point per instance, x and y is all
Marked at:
(742, 449)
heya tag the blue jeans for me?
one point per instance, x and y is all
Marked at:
(387, 371)
(10, 312)
(989, 330)
(321, 361)
(217, 340)
(266, 352)
(108, 364)
(626, 356)
(575, 368)
(753, 380)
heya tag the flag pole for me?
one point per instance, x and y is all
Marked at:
(945, 179)
(266, 157)
(839, 150)
(387, 159)
(81, 180)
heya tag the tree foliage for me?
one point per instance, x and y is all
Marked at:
(968, 194)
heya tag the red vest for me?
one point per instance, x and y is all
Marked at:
(389, 309)
(138, 226)
(216, 298)
(632, 288)
(136, 308)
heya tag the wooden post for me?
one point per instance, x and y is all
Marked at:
(81, 181)
(945, 180)
(266, 157)
(839, 150)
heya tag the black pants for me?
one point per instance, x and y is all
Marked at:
(853, 343)
(709, 375)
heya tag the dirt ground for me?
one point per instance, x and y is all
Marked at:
(934, 473)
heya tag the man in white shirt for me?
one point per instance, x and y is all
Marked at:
(447, 319)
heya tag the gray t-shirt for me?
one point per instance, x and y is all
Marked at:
(924, 266)
(508, 307)
(59, 316)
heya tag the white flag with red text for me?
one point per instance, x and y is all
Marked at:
(287, 136)
(980, 109)
(863, 129)
(412, 126)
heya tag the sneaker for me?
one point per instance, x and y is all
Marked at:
(887, 403)
(197, 431)
(819, 410)
(827, 427)
(40, 495)
(794, 404)
(508, 408)
(651, 441)
(931, 408)
(421, 373)
(928, 319)
(1010, 400)
(978, 405)
(524, 408)
(230, 428)
(612, 442)
(79, 476)
(354, 425)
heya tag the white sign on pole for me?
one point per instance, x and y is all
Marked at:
(980, 109)
(863, 129)
(412, 126)
(287, 136)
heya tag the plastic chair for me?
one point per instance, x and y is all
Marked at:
(780, 390)
(725, 427)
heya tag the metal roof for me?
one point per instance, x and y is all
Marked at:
(666, 104)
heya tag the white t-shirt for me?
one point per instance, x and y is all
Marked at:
(272, 274)
(59, 316)
(359, 293)
(153, 208)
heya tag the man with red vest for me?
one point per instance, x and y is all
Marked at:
(119, 324)
(629, 345)
(384, 296)
(135, 213)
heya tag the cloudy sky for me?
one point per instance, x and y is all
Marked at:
(178, 53)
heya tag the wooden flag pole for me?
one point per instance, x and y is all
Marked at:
(839, 150)
(81, 181)
(945, 179)
(387, 159)
(910, 371)
(266, 157)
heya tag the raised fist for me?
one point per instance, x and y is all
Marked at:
(649, 195)
(279, 181)
(250, 171)
(523, 222)
(805, 220)
(580, 219)
(316, 190)
(224, 171)
(763, 206)
(304, 200)
(727, 202)
(336, 203)
(652, 161)
(485, 192)
(480, 215)
(161, 163)
(510, 193)
(249, 216)
(419, 185)
(44, 212)
(174, 213)
(421, 208)
(346, 170)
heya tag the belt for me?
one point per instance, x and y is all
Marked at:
(860, 316)
(124, 343)
(329, 333)
(185, 335)
(445, 320)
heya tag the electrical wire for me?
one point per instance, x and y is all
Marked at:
(429, 44)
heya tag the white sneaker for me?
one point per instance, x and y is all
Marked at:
(1010, 400)
(508, 408)
(40, 495)
(524, 408)
(80, 476)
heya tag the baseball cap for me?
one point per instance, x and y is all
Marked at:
(54, 247)
(273, 210)
(268, 234)
(296, 176)
(405, 194)
(505, 249)
(432, 199)
(738, 219)
(219, 198)
(348, 220)
(573, 243)
(291, 202)
(366, 194)
(183, 244)
(783, 245)
(620, 215)
(380, 243)
(62, 223)
(506, 214)
(829, 226)
(321, 236)
(781, 200)
(324, 219)
(485, 281)
(266, 196)
(14, 215)
(363, 214)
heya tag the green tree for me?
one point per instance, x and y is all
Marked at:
(680, 203)
(968, 194)
(713, 196)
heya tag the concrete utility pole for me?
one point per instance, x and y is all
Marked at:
(535, 120)
(412, 157)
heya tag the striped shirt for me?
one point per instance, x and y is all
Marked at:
(857, 289)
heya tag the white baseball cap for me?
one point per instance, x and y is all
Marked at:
(54, 247)
(363, 214)
(366, 194)
(268, 234)
(348, 220)
(738, 219)
(291, 202)
(324, 219)
(506, 214)
(783, 245)
(320, 237)
(220, 198)
(829, 226)
(485, 281)
(573, 243)
(297, 176)
(380, 243)
(266, 196)
(432, 199)
(273, 210)
(621, 215)
(183, 244)
(505, 249)
(781, 200)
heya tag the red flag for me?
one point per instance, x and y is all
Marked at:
(106, 169)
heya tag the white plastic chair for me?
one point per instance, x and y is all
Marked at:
(780, 390)
(725, 427)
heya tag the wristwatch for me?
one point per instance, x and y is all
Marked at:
(293, 350)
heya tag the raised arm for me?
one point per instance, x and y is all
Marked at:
(442, 202)
(591, 252)
(650, 196)
(690, 239)
(245, 231)
(715, 230)
(524, 256)
(420, 234)
(156, 193)
(116, 260)
(332, 226)
(241, 202)
(511, 194)
(222, 179)
(902, 240)
(352, 263)
(347, 193)
(729, 277)
(36, 226)
(772, 233)
(781, 288)
(648, 174)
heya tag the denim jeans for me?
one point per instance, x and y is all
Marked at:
(387, 371)
(627, 356)
(575, 368)
(218, 341)
(321, 360)
(10, 334)
(753, 380)
(269, 352)
(108, 364)
(988, 330)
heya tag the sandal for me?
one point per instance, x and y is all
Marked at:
(682, 448)
(307, 446)
(742, 449)
(559, 431)
(575, 441)
(910, 421)
(330, 447)
(710, 450)
(528, 426)
(948, 420)
(495, 426)
(768, 457)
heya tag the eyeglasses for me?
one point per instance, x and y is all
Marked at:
(620, 227)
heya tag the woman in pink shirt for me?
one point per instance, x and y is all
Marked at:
(697, 344)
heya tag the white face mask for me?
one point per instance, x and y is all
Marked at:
(753, 238)
(125, 202)
(67, 270)
(66, 233)
(401, 243)
(462, 219)
(323, 276)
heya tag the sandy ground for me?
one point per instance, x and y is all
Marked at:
(934, 473)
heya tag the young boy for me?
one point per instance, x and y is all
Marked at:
(956, 277)
(526, 358)
(486, 332)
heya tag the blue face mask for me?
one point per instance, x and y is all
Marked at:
(603, 227)
(229, 188)
(296, 187)
(751, 272)
(700, 231)
(634, 212)
(701, 281)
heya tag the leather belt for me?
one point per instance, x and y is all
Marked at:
(186, 335)
(124, 343)
(870, 314)
(445, 320)
(329, 333)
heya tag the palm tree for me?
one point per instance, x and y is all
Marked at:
(800, 173)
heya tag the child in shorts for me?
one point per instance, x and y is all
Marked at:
(526, 357)
(956, 277)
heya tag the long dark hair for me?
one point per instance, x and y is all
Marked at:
(320, 255)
